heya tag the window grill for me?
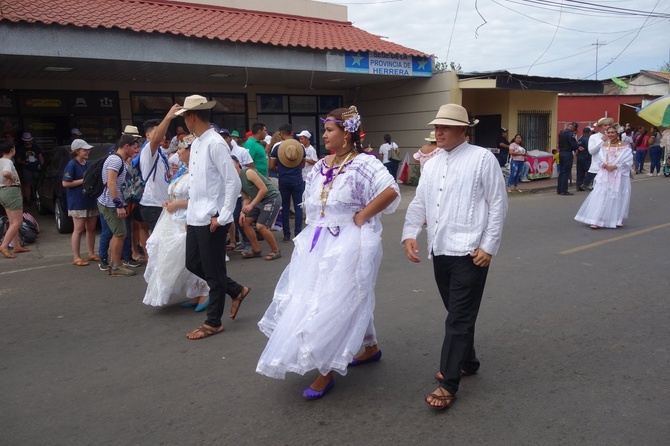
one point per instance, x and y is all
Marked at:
(535, 129)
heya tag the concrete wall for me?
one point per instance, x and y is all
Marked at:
(645, 85)
(403, 109)
(304, 8)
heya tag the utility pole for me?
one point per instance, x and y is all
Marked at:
(598, 45)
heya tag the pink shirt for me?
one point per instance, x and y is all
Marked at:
(518, 153)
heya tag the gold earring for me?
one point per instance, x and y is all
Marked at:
(344, 146)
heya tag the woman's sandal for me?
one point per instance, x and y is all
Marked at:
(235, 307)
(7, 253)
(274, 255)
(93, 258)
(446, 400)
(204, 331)
(80, 262)
(250, 254)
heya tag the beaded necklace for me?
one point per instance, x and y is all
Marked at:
(330, 180)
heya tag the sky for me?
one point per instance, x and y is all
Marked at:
(526, 36)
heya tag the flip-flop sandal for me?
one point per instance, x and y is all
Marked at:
(446, 400)
(251, 254)
(205, 331)
(80, 262)
(273, 255)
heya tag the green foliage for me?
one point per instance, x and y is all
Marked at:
(444, 66)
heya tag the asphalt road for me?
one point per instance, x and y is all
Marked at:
(573, 336)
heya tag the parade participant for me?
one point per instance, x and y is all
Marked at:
(166, 275)
(607, 205)
(212, 195)
(461, 243)
(338, 254)
(427, 151)
(596, 141)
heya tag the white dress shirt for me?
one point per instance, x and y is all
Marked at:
(595, 143)
(310, 153)
(215, 184)
(462, 198)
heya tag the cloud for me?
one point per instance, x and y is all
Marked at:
(510, 40)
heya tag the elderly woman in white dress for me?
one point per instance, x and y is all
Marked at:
(166, 275)
(322, 310)
(607, 205)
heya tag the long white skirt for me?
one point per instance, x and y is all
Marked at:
(322, 310)
(607, 204)
(166, 274)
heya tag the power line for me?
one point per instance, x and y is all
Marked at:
(560, 14)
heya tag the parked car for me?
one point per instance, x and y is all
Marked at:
(51, 195)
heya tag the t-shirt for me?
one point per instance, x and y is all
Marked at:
(384, 151)
(115, 163)
(31, 156)
(76, 200)
(156, 184)
(250, 189)
(241, 154)
(287, 175)
(258, 154)
(6, 165)
(504, 151)
(310, 154)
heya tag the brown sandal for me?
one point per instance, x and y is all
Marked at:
(204, 331)
(446, 400)
(80, 262)
(235, 307)
(7, 253)
(274, 255)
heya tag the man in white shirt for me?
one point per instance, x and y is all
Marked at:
(155, 171)
(596, 140)
(310, 153)
(461, 196)
(214, 188)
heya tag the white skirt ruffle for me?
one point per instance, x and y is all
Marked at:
(322, 310)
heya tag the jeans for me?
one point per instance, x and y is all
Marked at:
(392, 167)
(640, 156)
(583, 164)
(106, 236)
(655, 154)
(236, 218)
(515, 173)
(291, 191)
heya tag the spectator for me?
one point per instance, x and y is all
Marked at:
(29, 158)
(427, 151)
(82, 208)
(583, 158)
(567, 144)
(10, 199)
(653, 143)
(385, 150)
(502, 144)
(518, 154)
(256, 149)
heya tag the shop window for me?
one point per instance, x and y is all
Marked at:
(535, 130)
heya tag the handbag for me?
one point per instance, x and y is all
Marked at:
(394, 154)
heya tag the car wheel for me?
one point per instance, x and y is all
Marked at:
(40, 206)
(64, 223)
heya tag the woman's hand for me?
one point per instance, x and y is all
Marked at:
(171, 207)
(359, 220)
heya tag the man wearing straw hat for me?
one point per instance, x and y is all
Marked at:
(213, 193)
(461, 197)
(596, 140)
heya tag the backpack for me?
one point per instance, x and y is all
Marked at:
(134, 189)
(93, 185)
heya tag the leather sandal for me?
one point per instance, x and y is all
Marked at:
(7, 253)
(80, 262)
(446, 400)
(235, 307)
(250, 254)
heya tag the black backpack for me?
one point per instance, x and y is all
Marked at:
(93, 185)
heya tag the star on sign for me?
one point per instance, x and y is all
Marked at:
(357, 59)
(422, 64)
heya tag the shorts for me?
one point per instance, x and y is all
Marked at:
(83, 213)
(265, 212)
(30, 176)
(151, 214)
(116, 225)
(10, 198)
(136, 214)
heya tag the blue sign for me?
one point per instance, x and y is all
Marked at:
(385, 64)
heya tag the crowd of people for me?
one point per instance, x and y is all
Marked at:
(181, 204)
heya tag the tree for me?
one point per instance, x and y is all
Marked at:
(444, 66)
(664, 68)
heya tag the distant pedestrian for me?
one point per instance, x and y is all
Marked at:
(583, 158)
(390, 156)
(567, 144)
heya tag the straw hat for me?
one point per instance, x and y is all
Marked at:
(453, 114)
(431, 137)
(290, 153)
(603, 121)
(195, 102)
(132, 131)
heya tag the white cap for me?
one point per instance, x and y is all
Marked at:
(80, 144)
(304, 133)
(76, 131)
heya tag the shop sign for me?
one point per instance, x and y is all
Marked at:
(385, 64)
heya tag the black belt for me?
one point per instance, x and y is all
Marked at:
(12, 185)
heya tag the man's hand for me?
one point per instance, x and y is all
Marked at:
(175, 108)
(481, 258)
(247, 208)
(214, 224)
(411, 249)
(121, 212)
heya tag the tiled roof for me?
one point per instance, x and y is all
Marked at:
(658, 74)
(202, 21)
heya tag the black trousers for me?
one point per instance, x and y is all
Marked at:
(583, 164)
(565, 161)
(461, 285)
(206, 258)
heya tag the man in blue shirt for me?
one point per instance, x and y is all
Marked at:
(289, 162)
